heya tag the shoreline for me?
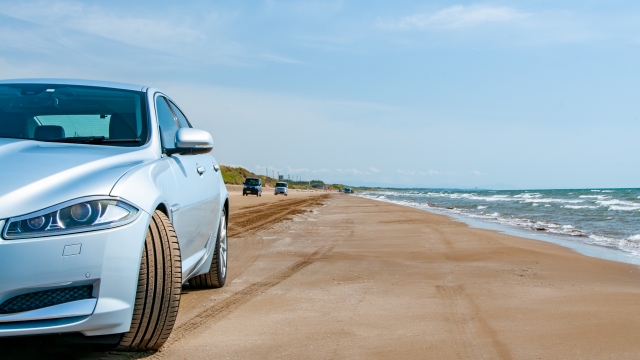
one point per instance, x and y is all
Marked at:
(586, 249)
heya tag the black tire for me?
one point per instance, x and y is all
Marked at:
(159, 286)
(217, 275)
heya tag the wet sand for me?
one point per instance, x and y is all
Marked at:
(338, 276)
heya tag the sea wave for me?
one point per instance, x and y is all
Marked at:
(621, 205)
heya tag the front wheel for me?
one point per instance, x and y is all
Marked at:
(217, 275)
(159, 284)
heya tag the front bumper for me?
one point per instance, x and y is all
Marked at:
(280, 191)
(251, 191)
(109, 260)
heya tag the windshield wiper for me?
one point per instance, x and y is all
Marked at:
(92, 140)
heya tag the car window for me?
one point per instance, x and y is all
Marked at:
(181, 118)
(252, 182)
(74, 114)
(167, 122)
(281, 184)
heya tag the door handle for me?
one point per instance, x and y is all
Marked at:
(216, 167)
(201, 170)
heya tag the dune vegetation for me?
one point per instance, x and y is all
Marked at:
(237, 175)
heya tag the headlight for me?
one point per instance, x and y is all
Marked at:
(71, 217)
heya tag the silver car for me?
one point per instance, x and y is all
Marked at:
(281, 188)
(109, 203)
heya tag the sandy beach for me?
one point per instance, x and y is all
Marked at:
(322, 276)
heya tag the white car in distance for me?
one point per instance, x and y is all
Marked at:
(281, 188)
(111, 201)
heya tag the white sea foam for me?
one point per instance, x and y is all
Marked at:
(553, 200)
(599, 197)
(480, 207)
(624, 208)
(620, 205)
(580, 207)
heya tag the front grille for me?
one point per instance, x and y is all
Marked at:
(42, 299)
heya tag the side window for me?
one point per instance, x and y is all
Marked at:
(168, 123)
(181, 118)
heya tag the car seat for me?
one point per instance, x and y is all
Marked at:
(120, 127)
(49, 132)
(11, 124)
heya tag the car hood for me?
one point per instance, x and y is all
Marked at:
(36, 175)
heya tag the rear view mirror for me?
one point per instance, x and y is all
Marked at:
(193, 141)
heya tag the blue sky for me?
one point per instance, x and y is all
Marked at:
(500, 94)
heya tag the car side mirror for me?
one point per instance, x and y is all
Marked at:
(193, 141)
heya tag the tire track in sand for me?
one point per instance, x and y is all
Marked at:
(245, 250)
(225, 307)
(475, 338)
(258, 217)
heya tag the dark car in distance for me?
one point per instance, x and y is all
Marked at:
(252, 186)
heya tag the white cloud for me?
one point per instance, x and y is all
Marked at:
(351, 171)
(406, 172)
(297, 171)
(144, 32)
(313, 8)
(434, 172)
(455, 17)
(279, 59)
(478, 173)
(374, 169)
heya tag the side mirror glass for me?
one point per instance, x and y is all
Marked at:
(193, 141)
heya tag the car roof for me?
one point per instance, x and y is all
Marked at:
(81, 82)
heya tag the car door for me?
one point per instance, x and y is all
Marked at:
(194, 214)
(212, 179)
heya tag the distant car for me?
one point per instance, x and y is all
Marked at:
(347, 190)
(281, 188)
(252, 186)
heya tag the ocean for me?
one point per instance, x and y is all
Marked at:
(606, 218)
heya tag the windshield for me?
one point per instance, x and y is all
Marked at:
(252, 182)
(281, 185)
(73, 114)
